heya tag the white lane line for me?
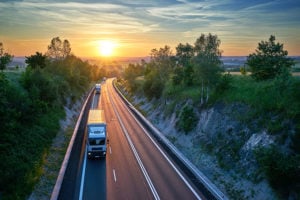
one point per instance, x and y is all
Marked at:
(110, 150)
(93, 102)
(115, 176)
(147, 177)
(83, 175)
(167, 158)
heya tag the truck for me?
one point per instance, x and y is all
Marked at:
(96, 134)
(98, 88)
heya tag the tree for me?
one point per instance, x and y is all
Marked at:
(177, 78)
(5, 57)
(207, 50)
(36, 61)
(184, 54)
(1, 48)
(59, 50)
(207, 63)
(131, 73)
(66, 50)
(161, 60)
(188, 75)
(153, 85)
(157, 71)
(269, 60)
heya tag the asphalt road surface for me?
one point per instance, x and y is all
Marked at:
(135, 166)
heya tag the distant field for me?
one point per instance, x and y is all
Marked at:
(239, 73)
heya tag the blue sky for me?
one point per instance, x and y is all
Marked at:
(137, 26)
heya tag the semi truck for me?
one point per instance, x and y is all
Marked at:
(96, 134)
(98, 88)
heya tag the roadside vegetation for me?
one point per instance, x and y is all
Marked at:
(193, 79)
(31, 106)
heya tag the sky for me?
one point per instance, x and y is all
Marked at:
(135, 27)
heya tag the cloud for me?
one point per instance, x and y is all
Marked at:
(153, 20)
(74, 16)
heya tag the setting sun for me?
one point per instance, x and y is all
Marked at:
(106, 48)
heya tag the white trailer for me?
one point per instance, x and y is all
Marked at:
(96, 134)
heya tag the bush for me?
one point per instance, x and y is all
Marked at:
(26, 131)
(153, 85)
(282, 170)
(295, 145)
(187, 119)
(224, 83)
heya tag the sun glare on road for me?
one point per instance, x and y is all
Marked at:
(106, 48)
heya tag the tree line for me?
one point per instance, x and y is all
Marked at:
(31, 109)
(200, 64)
(270, 91)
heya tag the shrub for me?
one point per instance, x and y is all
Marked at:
(282, 170)
(153, 86)
(187, 119)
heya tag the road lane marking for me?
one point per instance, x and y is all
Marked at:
(135, 153)
(110, 150)
(93, 103)
(114, 173)
(164, 155)
(83, 175)
(167, 158)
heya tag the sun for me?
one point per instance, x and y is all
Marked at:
(106, 48)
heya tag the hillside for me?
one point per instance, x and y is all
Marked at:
(33, 103)
(245, 139)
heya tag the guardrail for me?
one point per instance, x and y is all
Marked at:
(59, 180)
(196, 176)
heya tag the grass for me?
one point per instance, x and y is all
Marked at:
(181, 93)
(264, 96)
(52, 161)
(271, 105)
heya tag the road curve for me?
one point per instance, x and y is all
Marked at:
(124, 178)
(140, 168)
(135, 166)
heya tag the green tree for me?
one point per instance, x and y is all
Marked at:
(153, 86)
(269, 60)
(66, 48)
(41, 88)
(157, 71)
(161, 60)
(131, 73)
(184, 54)
(36, 61)
(59, 49)
(207, 50)
(5, 57)
(177, 78)
(207, 63)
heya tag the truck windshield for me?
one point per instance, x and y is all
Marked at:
(97, 130)
(97, 141)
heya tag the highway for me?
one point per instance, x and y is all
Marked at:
(135, 166)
